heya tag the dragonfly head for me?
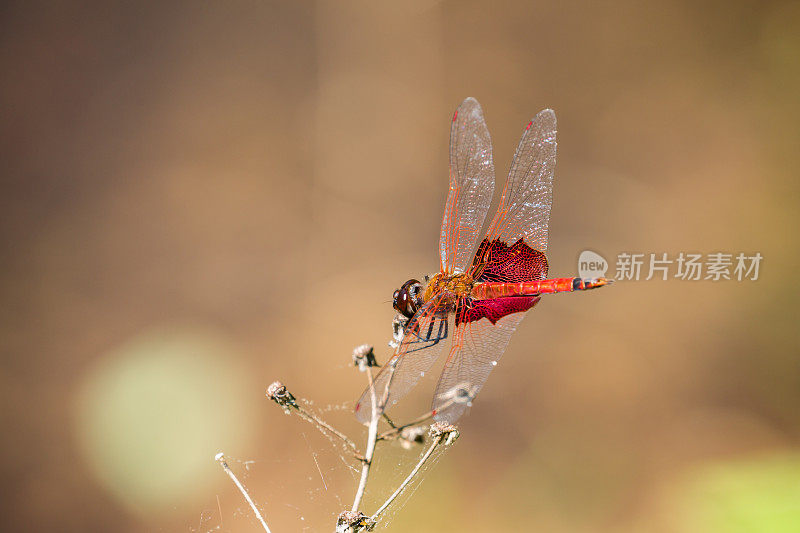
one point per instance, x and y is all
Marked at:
(408, 298)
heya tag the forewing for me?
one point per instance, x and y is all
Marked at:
(477, 348)
(524, 211)
(425, 337)
(471, 186)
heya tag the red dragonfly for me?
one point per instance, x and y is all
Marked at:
(477, 301)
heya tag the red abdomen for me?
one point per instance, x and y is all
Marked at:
(499, 289)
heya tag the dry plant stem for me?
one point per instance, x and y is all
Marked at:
(408, 479)
(221, 458)
(372, 439)
(323, 426)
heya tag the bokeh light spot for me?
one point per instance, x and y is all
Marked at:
(742, 496)
(152, 414)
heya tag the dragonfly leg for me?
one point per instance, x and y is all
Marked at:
(428, 338)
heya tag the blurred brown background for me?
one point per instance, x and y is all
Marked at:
(200, 198)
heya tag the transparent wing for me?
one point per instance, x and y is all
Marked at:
(471, 186)
(476, 349)
(524, 210)
(425, 337)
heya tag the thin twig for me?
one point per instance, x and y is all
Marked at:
(321, 425)
(389, 421)
(220, 457)
(397, 429)
(278, 393)
(408, 479)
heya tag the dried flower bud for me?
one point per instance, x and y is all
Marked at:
(412, 435)
(398, 330)
(277, 393)
(353, 522)
(364, 356)
(444, 430)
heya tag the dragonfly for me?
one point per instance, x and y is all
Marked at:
(473, 305)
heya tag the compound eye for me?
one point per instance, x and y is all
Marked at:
(401, 301)
(410, 284)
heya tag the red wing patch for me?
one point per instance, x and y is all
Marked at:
(494, 309)
(497, 261)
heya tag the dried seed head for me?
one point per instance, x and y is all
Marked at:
(398, 330)
(410, 436)
(447, 431)
(364, 356)
(277, 393)
(353, 522)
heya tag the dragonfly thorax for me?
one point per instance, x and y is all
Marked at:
(455, 285)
